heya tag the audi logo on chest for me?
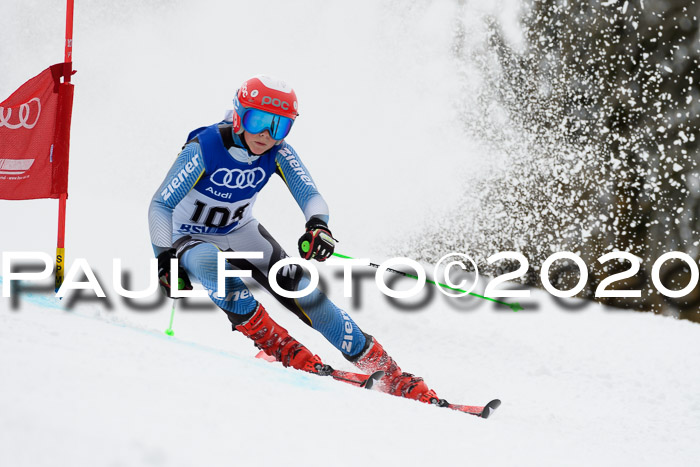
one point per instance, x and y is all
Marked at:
(236, 178)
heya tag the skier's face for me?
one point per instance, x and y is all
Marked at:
(259, 143)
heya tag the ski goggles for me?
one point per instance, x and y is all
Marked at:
(256, 121)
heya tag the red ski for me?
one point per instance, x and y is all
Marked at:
(480, 411)
(356, 379)
(367, 381)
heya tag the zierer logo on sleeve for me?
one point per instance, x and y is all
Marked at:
(180, 177)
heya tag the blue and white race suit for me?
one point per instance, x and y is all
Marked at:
(205, 205)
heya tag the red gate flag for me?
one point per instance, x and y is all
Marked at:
(35, 137)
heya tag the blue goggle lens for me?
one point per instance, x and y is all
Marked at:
(256, 121)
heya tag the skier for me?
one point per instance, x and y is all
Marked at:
(204, 206)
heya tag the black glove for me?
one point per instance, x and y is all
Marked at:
(318, 242)
(183, 280)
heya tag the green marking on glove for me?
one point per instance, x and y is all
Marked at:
(180, 283)
(305, 245)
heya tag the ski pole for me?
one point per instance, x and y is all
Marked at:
(170, 331)
(512, 306)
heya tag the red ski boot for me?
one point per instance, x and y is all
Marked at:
(395, 381)
(275, 341)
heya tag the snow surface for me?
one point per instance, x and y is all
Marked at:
(102, 385)
(594, 387)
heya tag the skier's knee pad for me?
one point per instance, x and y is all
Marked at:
(199, 258)
(289, 277)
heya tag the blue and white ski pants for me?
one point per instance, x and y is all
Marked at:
(198, 255)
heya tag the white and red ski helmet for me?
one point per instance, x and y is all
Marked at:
(264, 93)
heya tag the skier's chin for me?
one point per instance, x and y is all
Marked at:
(259, 149)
